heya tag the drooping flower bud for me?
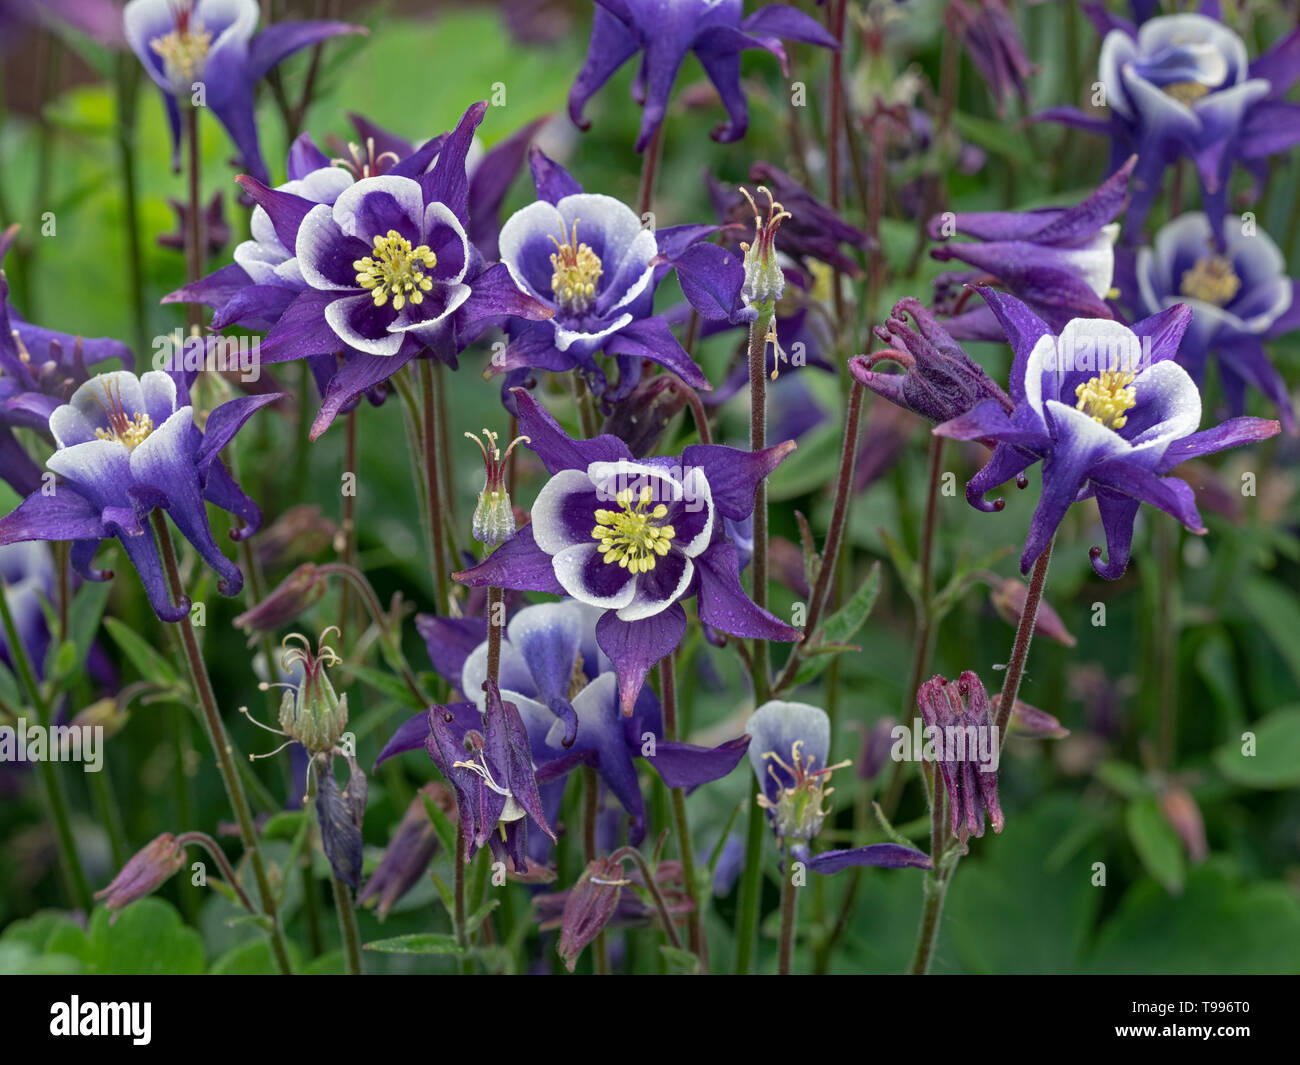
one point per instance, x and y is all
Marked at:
(1008, 599)
(408, 855)
(764, 278)
(494, 517)
(303, 587)
(149, 868)
(589, 907)
(1029, 721)
(105, 714)
(956, 714)
(1184, 816)
(939, 380)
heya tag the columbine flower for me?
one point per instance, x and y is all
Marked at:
(939, 380)
(635, 538)
(993, 43)
(561, 682)
(713, 29)
(185, 44)
(1109, 412)
(492, 774)
(589, 259)
(1240, 297)
(1182, 85)
(382, 270)
(39, 369)
(789, 753)
(126, 445)
(1059, 260)
(28, 573)
(956, 714)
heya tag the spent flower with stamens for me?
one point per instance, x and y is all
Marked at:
(789, 752)
(494, 516)
(764, 278)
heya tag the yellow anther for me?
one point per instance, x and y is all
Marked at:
(183, 51)
(129, 430)
(1186, 92)
(628, 536)
(1211, 280)
(576, 270)
(393, 270)
(1107, 397)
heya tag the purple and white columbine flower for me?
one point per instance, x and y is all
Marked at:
(589, 258)
(126, 445)
(563, 684)
(39, 369)
(1240, 296)
(184, 44)
(1058, 260)
(790, 755)
(635, 538)
(382, 270)
(1108, 411)
(665, 30)
(1183, 85)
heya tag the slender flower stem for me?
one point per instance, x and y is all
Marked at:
(127, 76)
(757, 441)
(458, 893)
(1166, 641)
(694, 925)
(221, 744)
(74, 878)
(433, 491)
(223, 863)
(789, 911)
(698, 412)
(194, 230)
(496, 611)
(590, 817)
(1024, 636)
(650, 171)
(751, 883)
(348, 525)
(835, 13)
(923, 636)
(834, 535)
(347, 925)
(938, 879)
(665, 918)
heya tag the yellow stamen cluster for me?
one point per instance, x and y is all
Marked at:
(129, 430)
(1186, 92)
(183, 53)
(576, 270)
(394, 271)
(1211, 280)
(1107, 397)
(627, 536)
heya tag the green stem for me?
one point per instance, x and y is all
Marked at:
(1166, 640)
(759, 673)
(936, 881)
(127, 80)
(221, 744)
(789, 912)
(347, 925)
(432, 487)
(682, 827)
(74, 879)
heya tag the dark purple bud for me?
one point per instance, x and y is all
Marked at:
(339, 813)
(939, 380)
(1030, 722)
(408, 855)
(876, 747)
(1008, 599)
(589, 907)
(302, 588)
(964, 742)
(640, 419)
(300, 532)
(148, 869)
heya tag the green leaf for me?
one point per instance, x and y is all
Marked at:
(418, 943)
(1275, 762)
(1220, 925)
(283, 825)
(475, 919)
(441, 825)
(148, 937)
(151, 665)
(1278, 614)
(1156, 843)
(1122, 779)
(834, 633)
(681, 961)
(384, 683)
